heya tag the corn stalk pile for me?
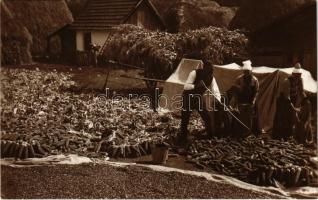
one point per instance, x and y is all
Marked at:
(40, 117)
(160, 52)
(256, 160)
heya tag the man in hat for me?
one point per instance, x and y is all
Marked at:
(293, 112)
(295, 86)
(94, 48)
(192, 96)
(245, 91)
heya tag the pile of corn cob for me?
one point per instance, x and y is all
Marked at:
(39, 118)
(256, 160)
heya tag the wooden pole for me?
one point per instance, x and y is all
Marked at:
(144, 79)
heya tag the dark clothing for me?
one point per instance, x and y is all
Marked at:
(191, 103)
(245, 93)
(222, 121)
(201, 75)
(296, 89)
(289, 121)
(285, 118)
(247, 89)
(193, 100)
(293, 112)
(303, 128)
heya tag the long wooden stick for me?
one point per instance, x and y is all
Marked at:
(144, 79)
(106, 80)
(223, 104)
(126, 65)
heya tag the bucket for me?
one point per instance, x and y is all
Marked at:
(160, 154)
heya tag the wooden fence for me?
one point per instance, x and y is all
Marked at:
(85, 58)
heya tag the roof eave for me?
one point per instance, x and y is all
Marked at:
(79, 28)
(58, 30)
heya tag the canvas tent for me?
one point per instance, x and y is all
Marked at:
(271, 82)
(173, 87)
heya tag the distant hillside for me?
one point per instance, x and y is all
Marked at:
(40, 18)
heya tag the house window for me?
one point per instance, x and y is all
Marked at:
(87, 41)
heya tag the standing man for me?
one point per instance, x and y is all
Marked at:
(94, 48)
(284, 119)
(245, 91)
(293, 103)
(193, 99)
(295, 86)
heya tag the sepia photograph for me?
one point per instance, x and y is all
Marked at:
(158, 99)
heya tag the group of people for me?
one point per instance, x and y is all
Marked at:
(293, 109)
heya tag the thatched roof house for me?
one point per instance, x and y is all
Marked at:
(288, 40)
(16, 40)
(93, 24)
(40, 18)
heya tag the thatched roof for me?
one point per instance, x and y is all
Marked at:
(40, 18)
(103, 14)
(193, 14)
(16, 40)
(76, 6)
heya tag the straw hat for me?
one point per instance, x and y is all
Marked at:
(247, 65)
(297, 69)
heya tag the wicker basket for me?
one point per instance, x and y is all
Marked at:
(160, 154)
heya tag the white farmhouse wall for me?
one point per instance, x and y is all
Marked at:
(79, 40)
(99, 37)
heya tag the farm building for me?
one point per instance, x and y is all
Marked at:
(25, 25)
(93, 24)
(288, 40)
(40, 18)
(16, 40)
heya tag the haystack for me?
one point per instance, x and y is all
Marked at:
(41, 18)
(16, 40)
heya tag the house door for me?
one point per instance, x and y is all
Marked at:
(87, 41)
(141, 18)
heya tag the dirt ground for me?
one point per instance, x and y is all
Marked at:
(94, 79)
(103, 181)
